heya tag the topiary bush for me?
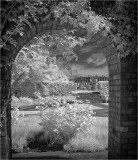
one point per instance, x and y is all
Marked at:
(103, 87)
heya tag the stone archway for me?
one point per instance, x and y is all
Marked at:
(122, 92)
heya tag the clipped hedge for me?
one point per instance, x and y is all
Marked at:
(103, 87)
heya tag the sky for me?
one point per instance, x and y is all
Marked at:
(91, 60)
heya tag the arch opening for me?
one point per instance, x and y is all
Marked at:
(122, 117)
(38, 80)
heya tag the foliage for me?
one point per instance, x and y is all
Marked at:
(15, 104)
(20, 131)
(124, 36)
(15, 114)
(94, 138)
(37, 61)
(123, 16)
(17, 13)
(103, 87)
(21, 101)
(62, 43)
(52, 82)
(31, 57)
(117, 20)
(64, 122)
(37, 65)
(56, 102)
(79, 14)
(58, 88)
(79, 133)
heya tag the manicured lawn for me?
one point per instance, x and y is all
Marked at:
(94, 138)
(28, 135)
(21, 129)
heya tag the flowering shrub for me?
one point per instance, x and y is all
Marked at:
(71, 127)
(15, 114)
(49, 102)
(93, 138)
(54, 101)
(22, 101)
(61, 124)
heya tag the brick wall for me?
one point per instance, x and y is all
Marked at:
(122, 93)
(5, 134)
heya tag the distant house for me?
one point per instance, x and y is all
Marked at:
(88, 82)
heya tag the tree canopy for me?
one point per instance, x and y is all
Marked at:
(116, 19)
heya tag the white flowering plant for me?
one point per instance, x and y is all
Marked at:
(15, 114)
(62, 123)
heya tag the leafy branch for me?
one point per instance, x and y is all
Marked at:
(11, 9)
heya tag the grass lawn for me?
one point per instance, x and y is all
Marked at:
(28, 135)
(92, 139)
(21, 129)
(71, 128)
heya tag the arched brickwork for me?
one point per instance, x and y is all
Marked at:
(122, 92)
